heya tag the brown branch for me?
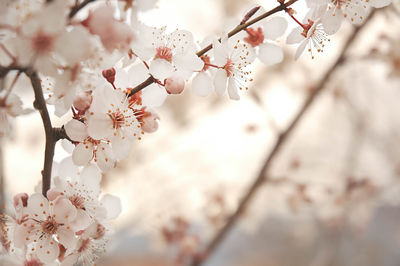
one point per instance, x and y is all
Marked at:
(262, 176)
(40, 105)
(235, 31)
(78, 7)
(52, 134)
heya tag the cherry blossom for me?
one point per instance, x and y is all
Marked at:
(334, 12)
(311, 35)
(168, 52)
(44, 221)
(87, 148)
(111, 117)
(233, 60)
(261, 39)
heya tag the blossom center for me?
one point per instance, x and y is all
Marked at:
(165, 53)
(228, 67)
(254, 37)
(78, 201)
(118, 119)
(50, 226)
(42, 42)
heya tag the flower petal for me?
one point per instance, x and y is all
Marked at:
(38, 206)
(161, 69)
(295, 36)
(82, 154)
(153, 96)
(300, 49)
(112, 205)
(100, 126)
(233, 90)
(202, 84)
(275, 28)
(270, 54)
(63, 210)
(76, 130)
(47, 250)
(220, 81)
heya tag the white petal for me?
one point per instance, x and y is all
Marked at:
(76, 130)
(153, 96)
(202, 84)
(275, 28)
(82, 221)
(300, 49)
(100, 126)
(79, 38)
(161, 69)
(332, 21)
(67, 168)
(91, 178)
(38, 206)
(121, 147)
(20, 235)
(233, 90)
(270, 54)
(67, 146)
(295, 36)
(380, 3)
(188, 61)
(220, 80)
(82, 154)
(48, 251)
(63, 210)
(67, 237)
(112, 205)
(104, 157)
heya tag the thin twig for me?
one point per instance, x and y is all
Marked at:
(76, 8)
(235, 31)
(262, 176)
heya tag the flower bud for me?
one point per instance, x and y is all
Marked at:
(149, 122)
(109, 74)
(174, 85)
(21, 198)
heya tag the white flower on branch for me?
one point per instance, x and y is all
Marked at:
(232, 59)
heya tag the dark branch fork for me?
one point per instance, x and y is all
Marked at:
(263, 173)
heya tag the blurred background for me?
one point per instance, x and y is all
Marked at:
(333, 193)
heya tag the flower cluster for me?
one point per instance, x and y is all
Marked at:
(325, 18)
(107, 71)
(68, 226)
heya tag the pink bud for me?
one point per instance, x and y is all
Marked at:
(83, 100)
(150, 122)
(21, 198)
(109, 74)
(174, 85)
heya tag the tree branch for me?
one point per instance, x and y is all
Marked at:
(235, 31)
(50, 132)
(262, 176)
(76, 8)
